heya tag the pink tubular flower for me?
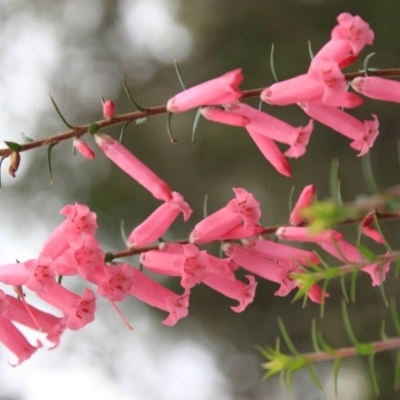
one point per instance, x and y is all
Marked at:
(108, 109)
(224, 117)
(273, 128)
(368, 229)
(159, 221)
(186, 261)
(80, 220)
(244, 210)
(302, 234)
(221, 90)
(125, 160)
(355, 30)
(305, 200)
(79, 310)
(15, 341)
(349, 254)
(33, 318)
(83, 148)
(114, 281)
(287, 256)
(324, 84)
(156, 295)
(233, 289)
(254, 262)
(347, 40)
(35, 274)
(81, 258)
(362, 133)
(272, 153)
(377, 88)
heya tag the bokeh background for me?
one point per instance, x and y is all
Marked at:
(77, 51)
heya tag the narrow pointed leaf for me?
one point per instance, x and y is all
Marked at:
(286, 338)
(310, 52)
(272, 63)
(129, 94)
(314, 339)
(122, 232)
(291, 200)
(102, 99)
(334, 181)
(353, 286)
(382, 331)
(121, 135)
(372, 373)
(59, 113)
(141, 120)
(368, 174)
(171, 138)
(314, 377)
(366, 61)
(49, 167)
(13, 146)
(347, 325)
(336, 368)
(195, 123)
(344, 289)
(178, 73)
(25, 138)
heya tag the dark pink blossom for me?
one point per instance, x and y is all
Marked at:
(363, 134)
(159, 221)
(234, 289)
(130, 164)
(305, 200)
(244, 210)
(221, 90)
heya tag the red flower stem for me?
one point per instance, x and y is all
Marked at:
(150, 112)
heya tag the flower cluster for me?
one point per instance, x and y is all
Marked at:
(73, 250)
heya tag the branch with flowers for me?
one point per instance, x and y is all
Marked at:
(72, 249)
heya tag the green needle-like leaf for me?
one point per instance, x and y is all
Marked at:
(59, 113)
(336, 368)
(49, 167)
(286, 338)
(372, 373)
(178, 73)
(368, 174)
(366, 61)
(25, 138)
(310, 50)
(129, 94)
(314, 339)
(334, 181)
(121, 135)
(122, 231)
(195, 123)
(344, 289)
(272, 63)
(347, 325)
(172, 140)
(314, 377)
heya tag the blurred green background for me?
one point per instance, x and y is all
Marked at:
(77, 51)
